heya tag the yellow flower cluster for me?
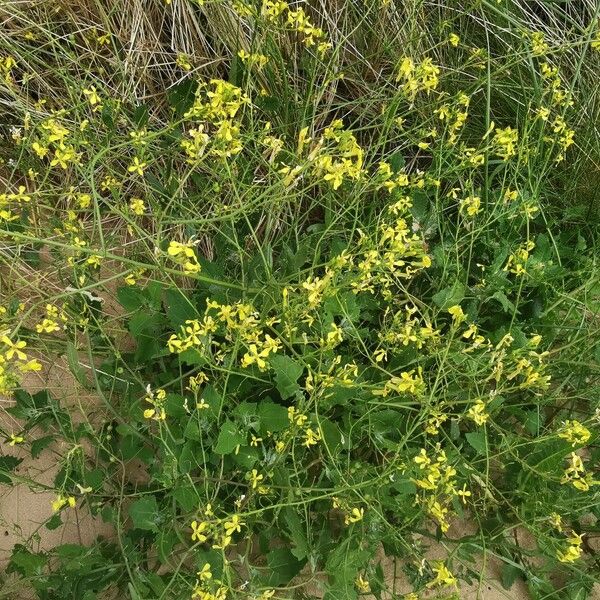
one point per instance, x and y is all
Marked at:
(555, 101)
(319, 382)
(443, 576)
(576, 475)
(471, 205)
(11, 201)
(184, 255)
(517, 261)
(397, 254)
(253, 58)
(478, 413)
(437, 479)
(409, 382)
(239, 320)
(259, 350)
(573, 550)
(13, 359)
(207, 587)
(295, 20)
(352, 514)
(539, 46)
(454, 116)
(217, 104)
(300, 422)
(575, 433)
(416, 78)
(504, 142)
(157, 402)
(311, 35)
(62, 501)
(53, 136)
(7, 64)
(341, 158)
(217, 531)
(362, 585)
(407, 328)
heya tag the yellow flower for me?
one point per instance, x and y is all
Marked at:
(63, 156)
(94, 260)
(15, 439)
(573, 550)
(183, 62)
(471, 205)
(333, 338)
(137, 166)
(505, 142)
(198, 531)
(40, 150)
(138, 138)
(137, 206)
(30, 366)
(454, 39)
(464, 493)
(356, 515)
(47, 326)
(311, 438)
(62, 501)
(362, 585)
(205, 573)
(184, 255)
(93, 96)
(255, 478)
(538, 43)
(477, 412)
(575, 433)
(14, 348)
(556, 521)
(233, 525)
(458, 316)
(156, 399)
(443, 576)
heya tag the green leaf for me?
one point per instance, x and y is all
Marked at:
(181, 96)
(24, 562)
(507, 305)
(332, 436)
(283, 566)
(8, 464)
(141, 115)
(246, 457)
(131, 298)
(37, 446)
(287, 372)
(297, 533)
(477, 439)
(449, 296)
(166, 541)
(509, 575)
(229, 438)
(54, 522)
(179, 308)
(175, 405)
(144, 513)
(273, 417)
(74, 364)
(342, 566)
(187, 497)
